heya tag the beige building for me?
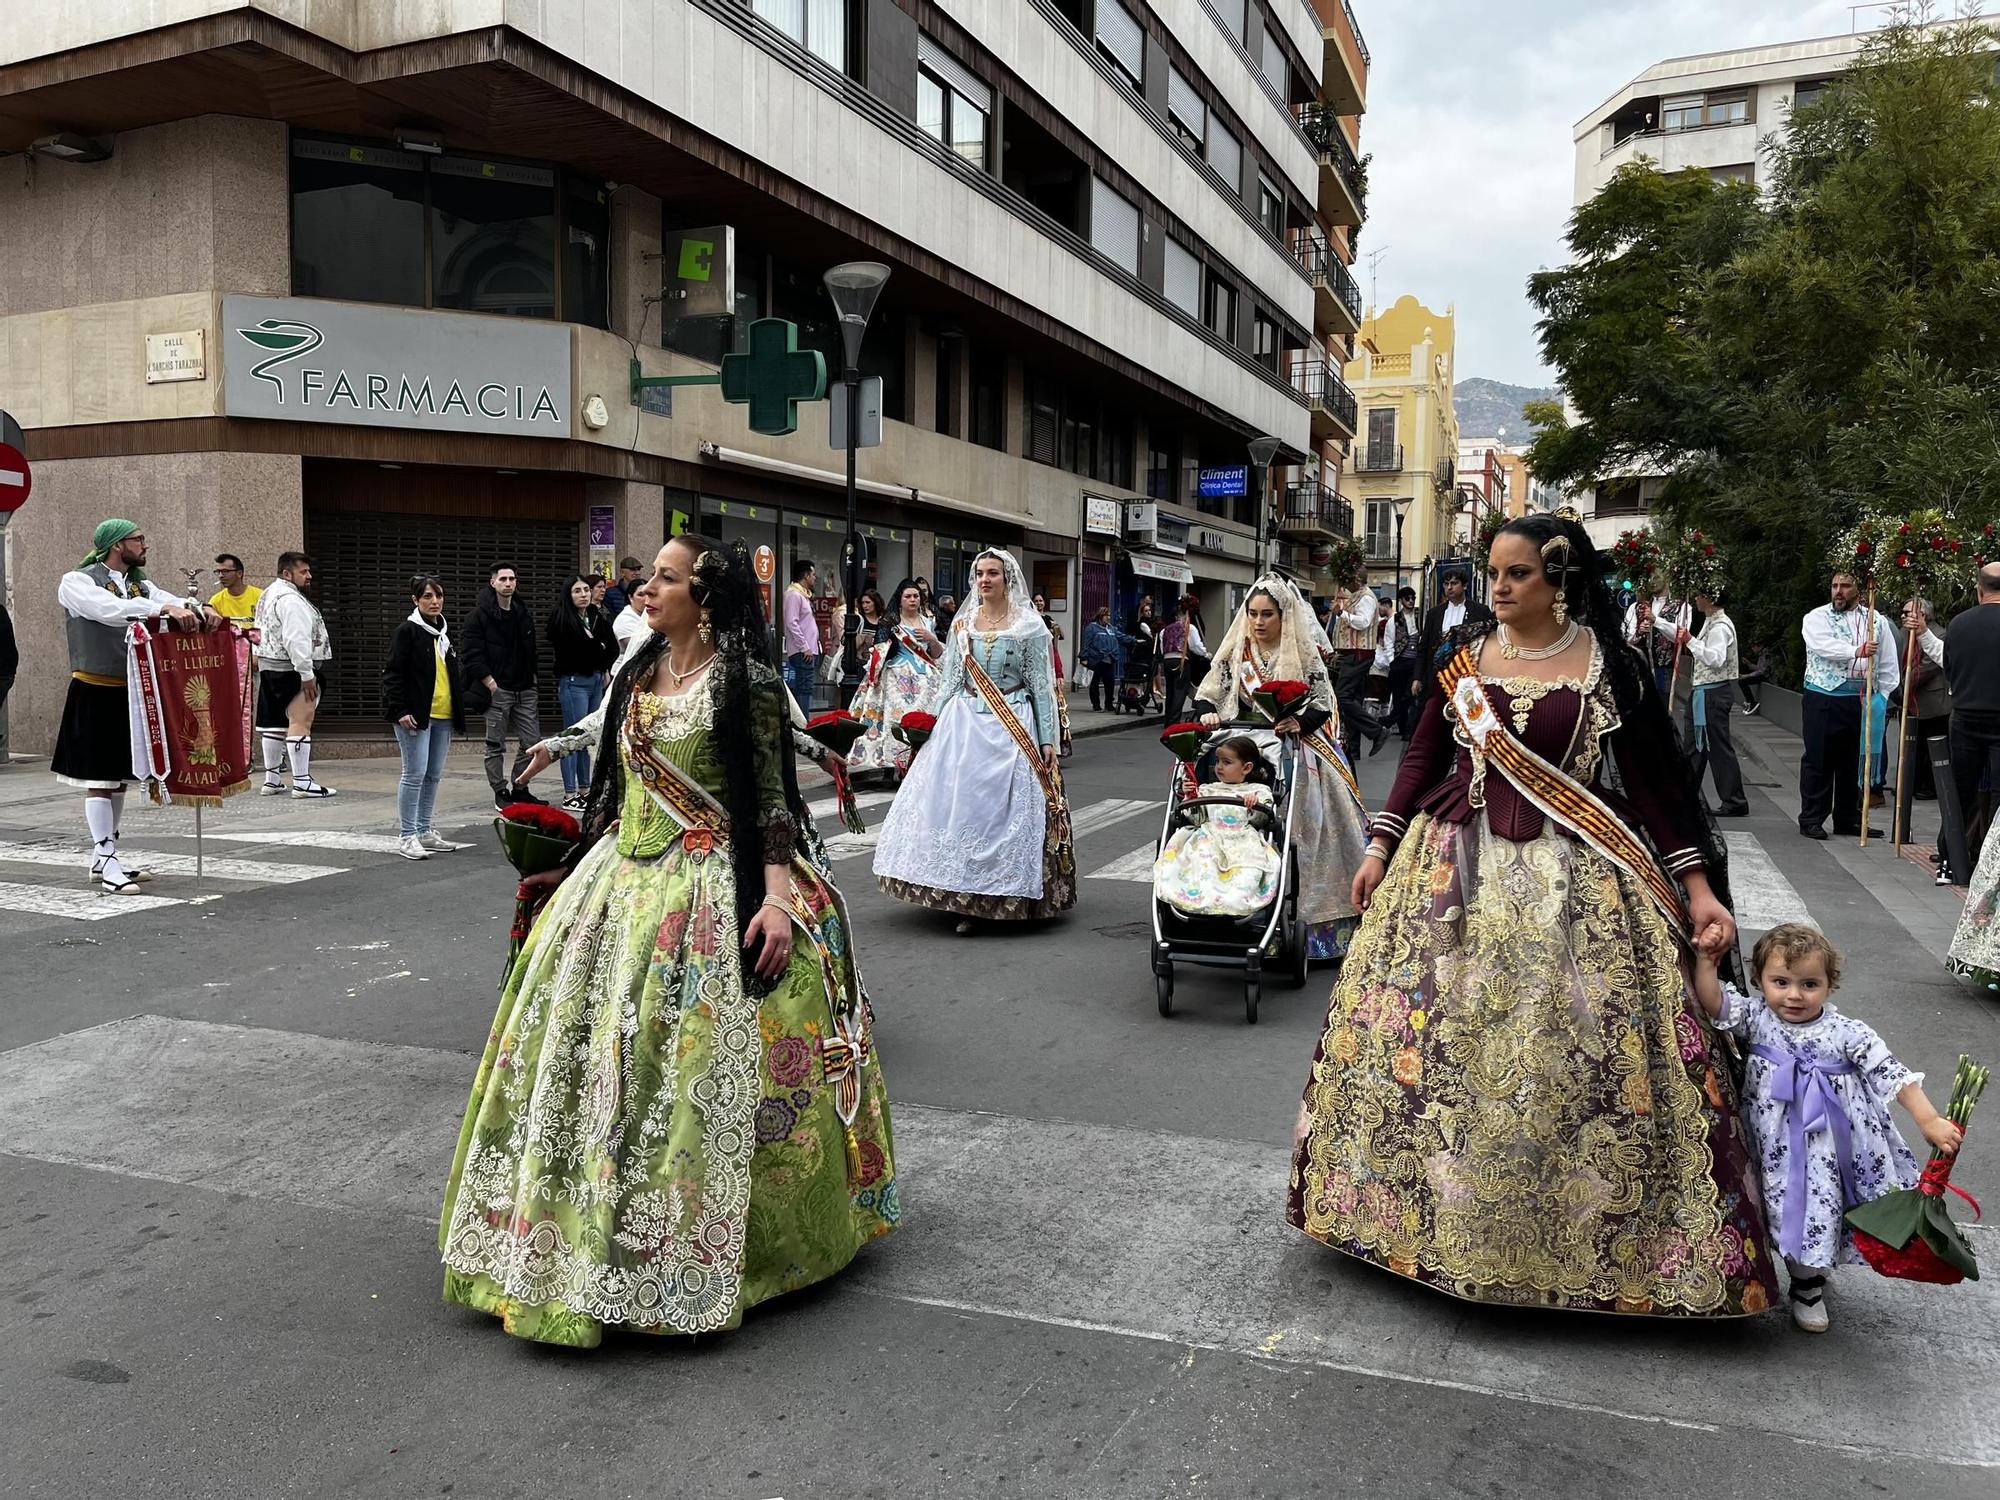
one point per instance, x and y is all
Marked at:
(371, 278)
(1404, 463)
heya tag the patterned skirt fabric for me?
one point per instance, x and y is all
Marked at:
(651, 1143)
(901, 684)
(1516, 1098)
(1975, 946)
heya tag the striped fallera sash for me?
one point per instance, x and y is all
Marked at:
(1049, 777)
(1554, 792)
(684, 800)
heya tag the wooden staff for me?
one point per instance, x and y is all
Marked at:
(1868, 723)
(1900, 830)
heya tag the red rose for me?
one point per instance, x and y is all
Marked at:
(1862, 549)
(1709, 550)
(924, 722)
(1904, 529)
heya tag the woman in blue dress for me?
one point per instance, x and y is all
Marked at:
(984, 801)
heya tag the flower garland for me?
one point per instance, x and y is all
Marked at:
(1345, 560)
(1926, 555)
(1859, 551)
(1693, 565)
(1636, 556)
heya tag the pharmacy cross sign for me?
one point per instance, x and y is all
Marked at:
(772, 379)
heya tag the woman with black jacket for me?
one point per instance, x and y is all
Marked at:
(424, 698)
(585, 646)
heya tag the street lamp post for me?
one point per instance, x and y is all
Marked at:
(1262, 451)
(1402, 510)
(853, 285)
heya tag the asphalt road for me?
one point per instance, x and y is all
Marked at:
(225, 1124)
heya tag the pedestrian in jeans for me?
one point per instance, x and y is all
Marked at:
(801, 634)
(424, 697)
(1184, 655)
(585, 646)
(499, 643)
(1098, 652)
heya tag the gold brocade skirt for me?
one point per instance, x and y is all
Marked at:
(1516, 1098)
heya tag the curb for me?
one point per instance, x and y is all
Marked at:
(1123, 724)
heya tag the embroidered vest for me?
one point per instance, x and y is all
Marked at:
(1824, 675)
(1729, 671)
(93, 647)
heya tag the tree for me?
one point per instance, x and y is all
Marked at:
(1786, 362)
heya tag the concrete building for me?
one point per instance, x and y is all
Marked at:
(1405, 461)
(1713, 112)
(372, 278)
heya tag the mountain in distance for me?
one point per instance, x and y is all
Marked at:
(1484, 407)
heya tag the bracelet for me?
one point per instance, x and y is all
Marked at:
(1376, 850)
(779, 902)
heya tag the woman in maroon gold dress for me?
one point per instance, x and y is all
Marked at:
(1516, 1098)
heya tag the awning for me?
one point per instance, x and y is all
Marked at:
(1166, 569)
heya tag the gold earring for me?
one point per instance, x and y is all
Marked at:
(1562, 608)
(704, 630)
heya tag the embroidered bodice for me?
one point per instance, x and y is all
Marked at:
(1020, 666)
(1569, 722)
(681, 730)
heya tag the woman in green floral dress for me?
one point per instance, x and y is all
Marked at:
(678, 1114)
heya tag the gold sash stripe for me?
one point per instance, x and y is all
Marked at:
(1049, 777)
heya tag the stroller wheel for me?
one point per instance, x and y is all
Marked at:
(1253, 988)
(1163, 985)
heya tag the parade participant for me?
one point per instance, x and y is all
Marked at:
(1142, 659)
(679, 1114)
(899, 679)
(1223, 865)
(1183, 654)
(1516, 1098)
(1708, 731)
(1351, 631)
(1400, 641)
(1816, 1092)
(1456, 609)
(1650, 623)
(102, 596)
(982, 807)
(291, 644)
(1270, 640)
(1836, 678)
(423, 697)
(236, 599)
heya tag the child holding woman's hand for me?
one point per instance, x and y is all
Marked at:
(1816, 1094)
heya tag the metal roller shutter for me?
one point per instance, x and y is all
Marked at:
(362, 565)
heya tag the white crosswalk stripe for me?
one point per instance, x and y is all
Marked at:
(1091, 818)
(1136, 866)
(316, 838)
(829, 807)
(214, 867)
(78, 903)
(1764, 898)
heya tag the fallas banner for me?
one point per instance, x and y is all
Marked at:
(190, 697)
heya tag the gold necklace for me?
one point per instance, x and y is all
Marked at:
(1561, 644)
(681, 678)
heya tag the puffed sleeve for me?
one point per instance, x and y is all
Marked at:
(1881, 1073)
(951, 673)
(1429, 756)
(1039, 673)
(1738, 1010)
(769, 723)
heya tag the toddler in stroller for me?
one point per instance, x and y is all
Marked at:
(1224, 865)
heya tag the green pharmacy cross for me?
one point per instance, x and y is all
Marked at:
(772, 379)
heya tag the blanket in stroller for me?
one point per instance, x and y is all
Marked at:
(1223, 866)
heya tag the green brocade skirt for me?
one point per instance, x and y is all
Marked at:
(651, 1142)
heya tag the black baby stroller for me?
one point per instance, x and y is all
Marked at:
(1135, 686)
(1273, 936)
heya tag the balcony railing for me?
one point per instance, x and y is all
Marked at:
(1310, 505)
(1388, 460)
(1314, 378)
(1445, 476)
(1316, 258)
(1322, 127)
(1360, 41)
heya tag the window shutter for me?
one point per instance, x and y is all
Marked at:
(1122, 36)
(1183, 283)
(955, 73)
(1185, 104)
(1225, 154)
(1114, 224)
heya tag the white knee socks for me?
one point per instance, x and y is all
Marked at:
(102, 817)
(298, 750)
(271, 750)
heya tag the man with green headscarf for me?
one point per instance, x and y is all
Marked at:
(105, 593)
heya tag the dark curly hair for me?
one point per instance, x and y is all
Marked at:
(721, 581)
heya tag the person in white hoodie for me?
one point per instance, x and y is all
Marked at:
(291, 646)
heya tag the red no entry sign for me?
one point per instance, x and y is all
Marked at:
(15, 480)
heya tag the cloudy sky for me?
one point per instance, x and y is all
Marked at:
(1471, 108)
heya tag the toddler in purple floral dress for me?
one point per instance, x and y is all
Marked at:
(1816, 1092)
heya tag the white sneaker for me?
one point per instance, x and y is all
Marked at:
(434, 842)
(313, 789)
(272, 788)
(412, 848)
(1808, 1298)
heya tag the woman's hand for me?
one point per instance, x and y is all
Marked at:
(539, 760)
(1210, 721)
(408, 721)
(1711, 919)
(1287, 725)
(1049, 757)
(547, 880)
(1366, 879)
(769, 932)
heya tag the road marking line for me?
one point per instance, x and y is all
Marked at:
(81, 905)
(1764, 898)
(168, 864)
(1101, 815)
(829, 807)
(320, 838)
(1136, 866)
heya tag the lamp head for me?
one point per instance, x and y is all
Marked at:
(1263, 450)
(854, 285)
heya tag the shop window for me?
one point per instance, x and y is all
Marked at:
(357, 223)
(493, 231)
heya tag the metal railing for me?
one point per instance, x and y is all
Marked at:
(1360, 41)
(1316, 258)
(1310, 503)
(1369, 460)
(1445, 476)
(1321, 125)
(1314, 378)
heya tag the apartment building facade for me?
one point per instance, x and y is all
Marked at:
(1401, 480)
(374, 279)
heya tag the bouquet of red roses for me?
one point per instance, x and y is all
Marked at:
(1281, 697)
(536, 839)
(1184, 739)
(1909, 1234)
(914, 729)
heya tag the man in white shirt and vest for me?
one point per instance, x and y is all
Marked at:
(1840, 643)
(103, 595)
(1351, 630)
(1707, 730)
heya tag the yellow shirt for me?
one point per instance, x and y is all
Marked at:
(440, 688)
(239, 607)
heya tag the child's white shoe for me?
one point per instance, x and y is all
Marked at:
(1808, 1298)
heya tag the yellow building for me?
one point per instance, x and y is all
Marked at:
(1404, 459)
